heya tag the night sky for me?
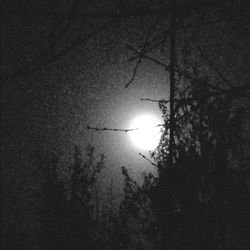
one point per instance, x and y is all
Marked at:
(53, 105)
(48, 108)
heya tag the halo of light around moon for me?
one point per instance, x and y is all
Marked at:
(147, 133)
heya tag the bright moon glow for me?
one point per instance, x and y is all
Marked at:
(148, 132)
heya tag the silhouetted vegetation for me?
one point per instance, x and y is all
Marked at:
(200, 197)
(69, 209)
(203, 199)
(201, 202)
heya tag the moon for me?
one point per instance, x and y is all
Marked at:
(147, 133)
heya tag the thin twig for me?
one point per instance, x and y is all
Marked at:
(144, 157)
(118, 129)
(154, 100)
(134, 72)
(165, 66)
(143, 51)
(112, 129)
(48, 58)
(204, 56)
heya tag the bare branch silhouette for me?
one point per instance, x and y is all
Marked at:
(117, 129)
(143, 51)
(44, 60)
(204, 56)
(146, 158)
(154, 100)
(147, 57)
(111, 129)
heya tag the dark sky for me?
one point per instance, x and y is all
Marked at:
(47, 106)
(51, 107)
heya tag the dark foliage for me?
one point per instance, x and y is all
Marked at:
(203, 201)
(68, 220)
(201, 196)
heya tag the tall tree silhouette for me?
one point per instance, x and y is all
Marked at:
(208, 180)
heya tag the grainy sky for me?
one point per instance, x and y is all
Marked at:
(48, 109)
(52, 107)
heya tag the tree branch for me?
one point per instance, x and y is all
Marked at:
(117, 129)
(147, 159)
(154, 100)
(111, 129)
(204, 56)
(143, 50)
(148, 57)
(48, 58)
